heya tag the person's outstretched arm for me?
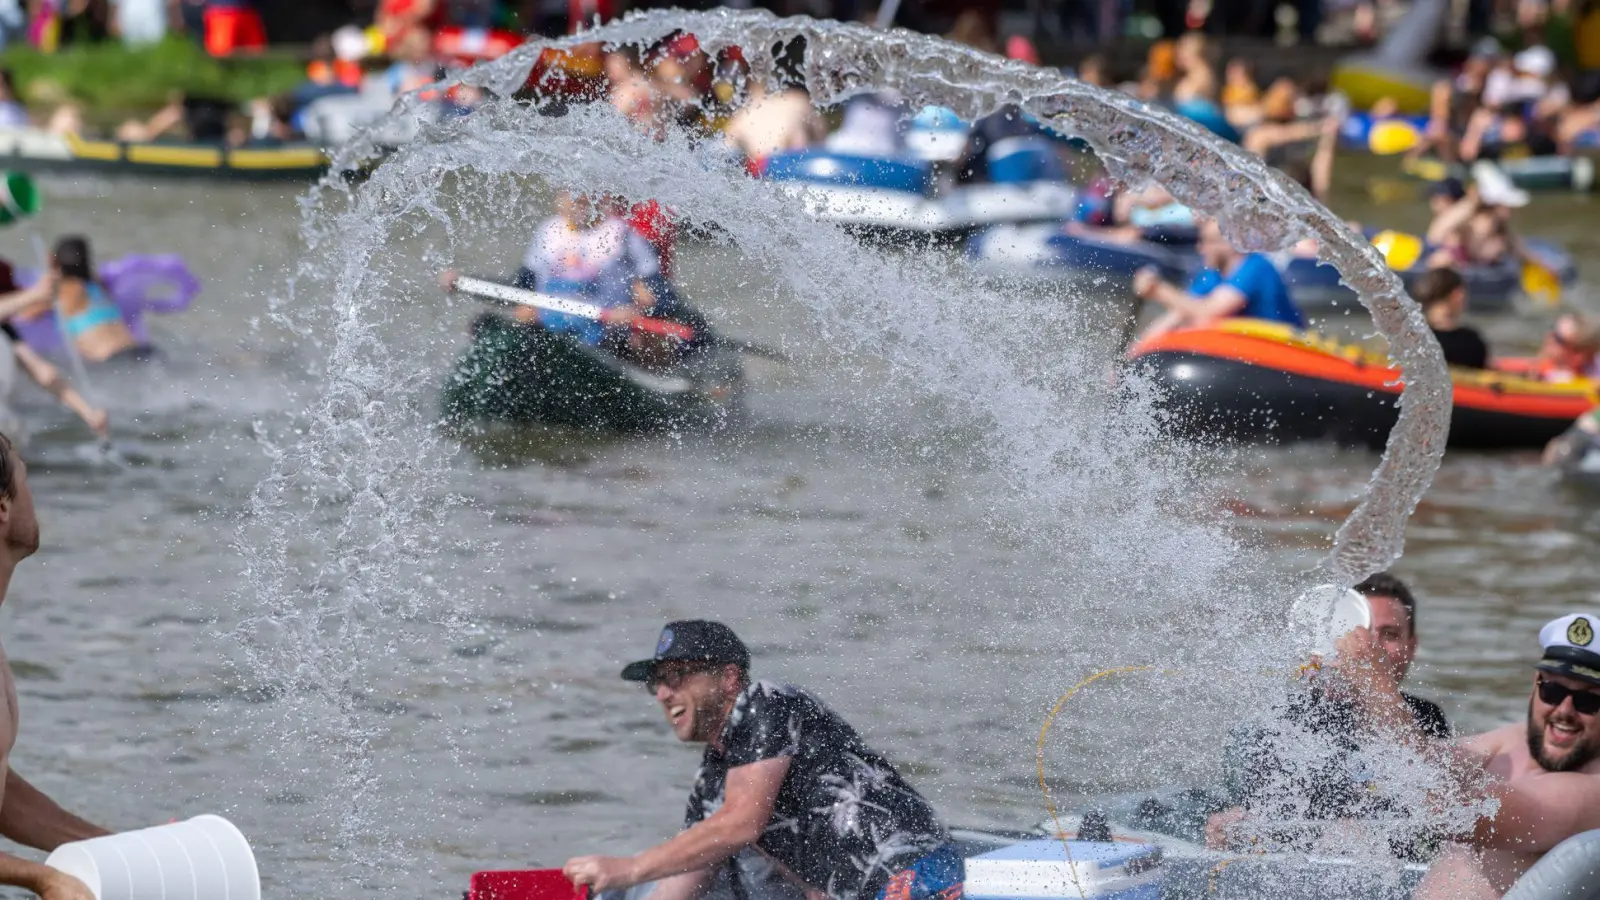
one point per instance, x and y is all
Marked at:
(56, 385)
(34, 820)
(17, 302)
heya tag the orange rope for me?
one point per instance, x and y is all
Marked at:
(1072, 867)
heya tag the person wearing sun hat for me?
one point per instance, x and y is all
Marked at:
(1542, 774)
(784, 774)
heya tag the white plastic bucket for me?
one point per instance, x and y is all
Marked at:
(203, 858)
(1324, 614)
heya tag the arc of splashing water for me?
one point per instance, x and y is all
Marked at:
(1258, 208)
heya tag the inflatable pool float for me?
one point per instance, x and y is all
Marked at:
(1397, 70)
(979, 205)
(1490, 288)
(859, 192)
(1209, 116)
(1530, 173)
(937, 134)
(524, 374)
(33, 150)
(136, 283)
(1357, 129)
(1251, 380)
(1052, 250)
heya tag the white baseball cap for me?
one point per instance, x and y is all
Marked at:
(1538, 61)
(1495, 187)
(1571, 648)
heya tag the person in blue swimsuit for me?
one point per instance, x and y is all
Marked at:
(1233, 284)
(92, 321)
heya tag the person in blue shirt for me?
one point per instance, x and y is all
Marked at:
(1245, 285)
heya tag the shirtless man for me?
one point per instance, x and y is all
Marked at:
(1544, 773)
(27, 816)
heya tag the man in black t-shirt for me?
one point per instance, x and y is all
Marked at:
(1314, 742)
(782, 773)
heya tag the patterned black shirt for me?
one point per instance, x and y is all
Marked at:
(844, 820)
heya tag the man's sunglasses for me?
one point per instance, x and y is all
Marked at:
(673, 678)
(1587, 703)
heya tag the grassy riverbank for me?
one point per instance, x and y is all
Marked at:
(112, 80)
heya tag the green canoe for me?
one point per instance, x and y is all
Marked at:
(524, 374)
(1531, 173)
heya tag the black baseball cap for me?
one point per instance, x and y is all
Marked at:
(692, 640)
(1451, 187)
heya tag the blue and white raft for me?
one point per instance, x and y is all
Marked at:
(1050, 250)
(902, 194)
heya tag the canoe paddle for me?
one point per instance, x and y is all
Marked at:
(505, 293)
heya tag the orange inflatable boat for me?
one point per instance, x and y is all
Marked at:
(1246, 379)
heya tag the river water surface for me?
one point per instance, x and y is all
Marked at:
(845, 532)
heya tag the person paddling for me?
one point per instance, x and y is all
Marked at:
(587, 251)
(782, 773)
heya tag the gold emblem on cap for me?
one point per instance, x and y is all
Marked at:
(1580, 632)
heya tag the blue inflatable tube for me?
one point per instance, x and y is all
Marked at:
(1098, 256)
(1490, 289)
(821, 167)
(1356, 130)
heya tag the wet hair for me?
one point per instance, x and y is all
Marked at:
(8, 472)
(1436, 285)
(1385, 585)
(72, 257)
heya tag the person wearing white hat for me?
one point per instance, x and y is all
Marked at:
(1543, 773)
(1259, 759)
(1522, 103)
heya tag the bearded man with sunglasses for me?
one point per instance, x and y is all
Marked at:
(784, 774)
(1544, 773)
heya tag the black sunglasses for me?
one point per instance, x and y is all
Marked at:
(673, 678)
(1587, 703)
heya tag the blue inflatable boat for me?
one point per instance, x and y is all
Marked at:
(1051, 250)
(1490, 288)
(859, 192)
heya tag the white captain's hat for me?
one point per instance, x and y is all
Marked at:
(1571, 647)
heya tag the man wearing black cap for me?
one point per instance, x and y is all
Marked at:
(783, 773)
(1544, 774)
